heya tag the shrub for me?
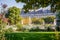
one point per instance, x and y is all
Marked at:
(49, 19)
(9, 30)
(37, 21)
(19, 27)
(50, 29)
(34, 29)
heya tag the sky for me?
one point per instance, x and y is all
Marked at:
(11, 3)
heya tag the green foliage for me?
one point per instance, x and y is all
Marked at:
(19, 27)
(32, 36)
(2, 29)
(58, 15)
(41, 20)
(14, 15)
(37, 21)
(9, 30)
(34, 29)
(35, 4)
(49, 19)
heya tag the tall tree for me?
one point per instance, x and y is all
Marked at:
(2, 29)
(35, 4)
(14, 15)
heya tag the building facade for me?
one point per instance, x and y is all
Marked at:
(35, 14)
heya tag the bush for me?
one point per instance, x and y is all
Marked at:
(58, 28)
(19, 27)
(9, 30)
(50, 29)
(37, 21)
(49, 19)
(37, 30)
(34, 29)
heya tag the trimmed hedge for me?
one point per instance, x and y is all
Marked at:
(32, 36)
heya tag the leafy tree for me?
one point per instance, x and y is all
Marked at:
(35, 4)
(2, 30)
(58, 21)
(49, 19)
(2, 23)
(58, 15)
(13, 15)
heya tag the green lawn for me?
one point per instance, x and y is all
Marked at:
(32, 36)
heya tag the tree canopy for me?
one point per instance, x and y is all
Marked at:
(35, 4)
(13, 15)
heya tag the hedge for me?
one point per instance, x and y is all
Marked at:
(32, 36)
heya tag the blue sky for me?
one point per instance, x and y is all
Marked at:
(11, 3)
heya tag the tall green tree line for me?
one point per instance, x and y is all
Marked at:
(35, 4)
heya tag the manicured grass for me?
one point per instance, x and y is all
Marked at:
(32, 36)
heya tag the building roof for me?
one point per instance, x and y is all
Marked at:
(37, 12)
